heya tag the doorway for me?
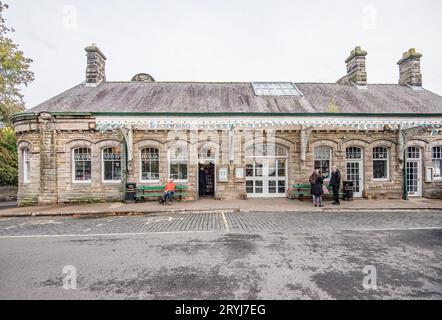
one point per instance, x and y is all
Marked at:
(413, 172)
(266, 171)
(206, 171)
(354, 166)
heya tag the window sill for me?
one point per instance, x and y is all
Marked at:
(110, 181)
(381, 180)
(149, 181)
(82, 182)
(180, 181)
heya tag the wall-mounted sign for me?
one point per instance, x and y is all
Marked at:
(239, 174)
(223, 174)
(429, 175)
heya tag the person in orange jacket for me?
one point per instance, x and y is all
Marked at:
(169, 190)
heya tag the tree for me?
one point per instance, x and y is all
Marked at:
(14, 73)
(8, 157)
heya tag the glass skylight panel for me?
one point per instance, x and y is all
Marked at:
(275, 89)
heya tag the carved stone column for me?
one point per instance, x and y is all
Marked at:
(48, 160)
(127, 133)
(305, 134)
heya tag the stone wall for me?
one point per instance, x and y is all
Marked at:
(8, 193)
(51, 159)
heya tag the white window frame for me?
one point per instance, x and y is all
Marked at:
(432, 163)
(73, 167)
(386, 159)
(140, 163)
(330, 159)
(26, 165)
(103, 180)
(169, 163)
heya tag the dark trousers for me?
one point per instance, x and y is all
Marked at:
(202, 189)
(336, 193)
(168, 196)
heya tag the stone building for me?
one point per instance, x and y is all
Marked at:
(252, 139)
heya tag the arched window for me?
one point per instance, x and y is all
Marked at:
(436, 157)
(112, 164)
(206, 153)
(322, 159)
(381, 163)
(149, 164)
(178, 163)
(266, 150)
(82, 165)
(26, 166)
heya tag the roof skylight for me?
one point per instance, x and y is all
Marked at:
(275, 89)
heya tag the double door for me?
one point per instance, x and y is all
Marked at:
(266, 177)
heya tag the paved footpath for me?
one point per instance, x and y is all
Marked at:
(220, 221)
(250, 205)
(224, 255)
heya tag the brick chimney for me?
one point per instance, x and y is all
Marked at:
(95, 68)
(356, 73)
(410, 68)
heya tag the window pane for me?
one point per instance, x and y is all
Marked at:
(281, 168)
(182, 171)
(258, 186)
(380, 153)
(322, 153)
(174, 170)
(258, 168)
(380, 169)
(353, 153)
(82, 164)
(271, 168)
(249, 186)
(437, 165)
(281, 186)
(150, 160)
(272, 186)
(437, 153)
(249, 170)
(112, 164)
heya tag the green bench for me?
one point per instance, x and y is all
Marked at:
(302, 190)
(146, 192)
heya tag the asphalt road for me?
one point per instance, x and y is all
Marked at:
(224, 255)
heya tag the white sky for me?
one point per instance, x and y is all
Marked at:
(229, 40)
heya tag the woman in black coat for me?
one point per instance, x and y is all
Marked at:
(317, 190)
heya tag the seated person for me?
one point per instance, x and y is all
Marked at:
(169, 190)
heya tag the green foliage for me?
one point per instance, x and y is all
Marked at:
(14, 73)
(8, 157)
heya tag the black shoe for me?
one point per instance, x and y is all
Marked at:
(316, 205)
(321, 205)
(335, 203)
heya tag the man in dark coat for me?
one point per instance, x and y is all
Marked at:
(335, 182)
(202, 182)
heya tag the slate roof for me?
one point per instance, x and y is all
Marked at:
(202, 97)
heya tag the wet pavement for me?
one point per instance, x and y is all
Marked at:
(224, 255)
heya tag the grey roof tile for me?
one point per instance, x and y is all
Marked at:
(239, 97)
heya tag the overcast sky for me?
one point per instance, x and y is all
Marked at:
(230, 40)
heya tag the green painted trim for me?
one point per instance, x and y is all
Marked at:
(261, 114)
(233, 114)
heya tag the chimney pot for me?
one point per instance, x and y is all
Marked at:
(356, 69)
(410, 68)
(96, 65)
